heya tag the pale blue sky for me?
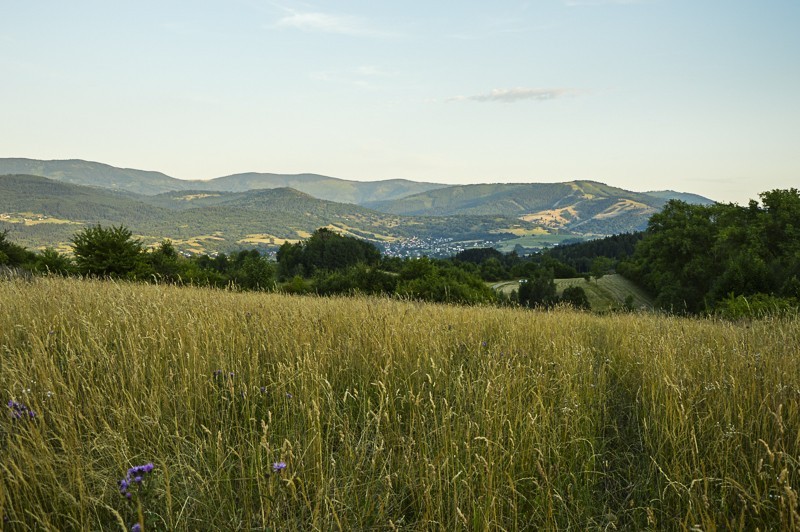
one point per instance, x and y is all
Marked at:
(693, 95)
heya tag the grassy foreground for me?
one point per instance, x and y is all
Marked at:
(386, 414)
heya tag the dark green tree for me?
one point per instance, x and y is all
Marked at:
(538, 290)
(576, 297)
(12, 254)
(106, 252)
(51, 261)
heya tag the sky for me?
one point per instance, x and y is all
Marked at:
(698, 96)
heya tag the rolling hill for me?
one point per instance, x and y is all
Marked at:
(78, 172)
(142, 182)
(323, 187)
(267, 209)
(41, 212)
(583, 206)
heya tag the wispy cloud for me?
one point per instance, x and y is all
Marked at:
(315, 21)
(518, 94)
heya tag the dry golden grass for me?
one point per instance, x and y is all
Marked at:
(388, 414)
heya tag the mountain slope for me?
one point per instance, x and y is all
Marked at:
(42, 212)
(588, 207)
(89, 173)
(42, 196)
(667, 195)
(323, 187)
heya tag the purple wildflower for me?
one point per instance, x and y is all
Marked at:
(277, 467)
(135, 474)
(136, 528)
(263, 389)
(19, 410)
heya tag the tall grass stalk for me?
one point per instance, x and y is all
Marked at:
(387, 414)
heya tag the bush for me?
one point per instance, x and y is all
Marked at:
(106, 252)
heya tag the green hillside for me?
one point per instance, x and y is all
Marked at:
(585, 207)
(40, 196)
(608, 292)
(323, 187)
(510, 199)
(41, 212)
(151, 183)
(578, 207)
(89, 173)
(667, 195)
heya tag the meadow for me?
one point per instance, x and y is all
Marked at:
(276, 412)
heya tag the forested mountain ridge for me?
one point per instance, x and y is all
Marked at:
(143, 182)
(42, 212)
(260, 209)
(586, 207)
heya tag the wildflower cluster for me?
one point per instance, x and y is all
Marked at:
(135, 476)
(20, 411)
(218, 374)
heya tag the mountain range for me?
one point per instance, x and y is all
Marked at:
(45, 202)
(79, 172)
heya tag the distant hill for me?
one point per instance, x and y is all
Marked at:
(323, 187)
(267, 209)
(587, 207)
(667, 195)
(42, 196)
(89, 173)
(41, 212)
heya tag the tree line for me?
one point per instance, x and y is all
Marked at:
(722, 258)
(327, 263)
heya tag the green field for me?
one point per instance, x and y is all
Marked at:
(275, 412)
(607, 293)
(533, 241)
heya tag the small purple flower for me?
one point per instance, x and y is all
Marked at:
(263, 389)
(288, 395)
(19, 410)
(136, 528)
(277, 467)
(217, 373)
(135, 475)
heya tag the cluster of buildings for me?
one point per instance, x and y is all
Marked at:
(434, 247)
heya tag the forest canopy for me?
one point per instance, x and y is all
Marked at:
(696, 258)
